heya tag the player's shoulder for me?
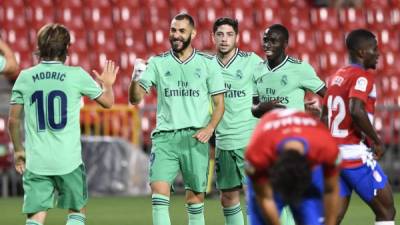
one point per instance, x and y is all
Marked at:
(244, 54)
(205, 55)
(295, 60)
(161, 55)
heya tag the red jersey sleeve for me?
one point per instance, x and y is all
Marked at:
(331, 158)
(361, 87)
(257, 158)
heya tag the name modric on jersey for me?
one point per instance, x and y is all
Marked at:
(48, 75)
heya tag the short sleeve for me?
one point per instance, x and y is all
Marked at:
(309, 79)
(2, 63)
(361, 87)
(331, 157)
(89, 87)
(215, 81)
(17, 97)
(257, 158)
(148, 78)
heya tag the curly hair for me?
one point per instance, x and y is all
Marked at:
(52, 42)
(290, 176)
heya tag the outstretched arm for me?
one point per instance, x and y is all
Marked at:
(265, 200)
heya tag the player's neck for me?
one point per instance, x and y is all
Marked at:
(275, 62)
(184, 54)
(357, 63)
(226, 57)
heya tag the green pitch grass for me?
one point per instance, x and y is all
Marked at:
(137, 211)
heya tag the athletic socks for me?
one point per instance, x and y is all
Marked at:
(76, 219)
(233, 215)
(196, 213)
(32, 222)
(160, 205)
(384, 223)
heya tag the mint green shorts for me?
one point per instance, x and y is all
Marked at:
(174, 151)
(40, 191)
(229, 168)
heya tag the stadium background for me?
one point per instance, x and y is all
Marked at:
(124, 30)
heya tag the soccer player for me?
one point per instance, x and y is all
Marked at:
(348, 110)
(49, 95)
(237, 124)
(282, 79)
(288, 165)
(8, 71)
(185, 79)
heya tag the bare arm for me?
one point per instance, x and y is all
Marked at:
(11, 67)
(324, 116)
(265, 200)
(204, 134)
(136, 93)
(331, 199)
(260, 108)
(361, 120)
(14, 130)
(107, 79)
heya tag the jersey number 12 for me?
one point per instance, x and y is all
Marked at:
(47, 115)
(336, 103)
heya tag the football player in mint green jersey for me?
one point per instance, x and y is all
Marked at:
(185, 79)
(283, 79)
(237, 124)
(49, 95)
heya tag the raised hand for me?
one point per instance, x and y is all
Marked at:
(139, 68)
(109, 74)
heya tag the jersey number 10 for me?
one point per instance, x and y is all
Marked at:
(51, 105)
(336, 103)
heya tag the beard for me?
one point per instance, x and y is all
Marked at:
(185, 44)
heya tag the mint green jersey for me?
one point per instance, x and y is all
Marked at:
(238, 122)
(183, 89)
(2, 62)
(51, 93)
(287, 82)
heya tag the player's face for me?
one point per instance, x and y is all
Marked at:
(371, 54)
(180, 34)
(274, 44)
(225, 39)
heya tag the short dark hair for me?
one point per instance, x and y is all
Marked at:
(356, 37)
(185, 16)
(281, 29)
(290, 176)
(226, 21)
(52, 42)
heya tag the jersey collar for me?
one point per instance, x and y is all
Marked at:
(300, 139)
(278, 66)
(50, 62)
(357, 65)
(187, 60)
(230, 60)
